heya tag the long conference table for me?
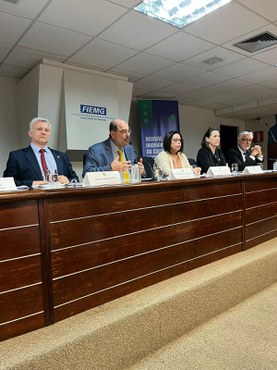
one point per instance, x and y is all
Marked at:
(64, 251)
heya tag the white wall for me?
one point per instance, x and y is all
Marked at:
(17, 109)
(194, 122)
(10, 128)
(27, 103)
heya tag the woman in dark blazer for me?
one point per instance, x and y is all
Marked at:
(210, 153)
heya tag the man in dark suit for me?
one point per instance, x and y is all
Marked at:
(104, 156)
(27, 166)
(245, 154)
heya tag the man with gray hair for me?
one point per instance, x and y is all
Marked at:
(29, 166)
(245, 154)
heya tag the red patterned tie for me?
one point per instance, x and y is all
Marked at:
(43, 161)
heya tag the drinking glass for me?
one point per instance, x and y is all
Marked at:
(158, 173)
(55, 176)
(234, 168)
(48, 176)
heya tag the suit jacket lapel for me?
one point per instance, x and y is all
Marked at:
(125, 153)
(109, 151)
(241, 156)
(31, 158)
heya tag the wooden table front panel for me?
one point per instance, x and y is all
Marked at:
(68, 250)
(107, 244)
(260, 210)
(21, 308)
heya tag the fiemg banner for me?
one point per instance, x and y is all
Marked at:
(157, 118)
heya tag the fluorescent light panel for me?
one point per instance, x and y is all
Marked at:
(179, 12)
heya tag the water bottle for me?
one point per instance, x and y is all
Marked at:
(275, 165)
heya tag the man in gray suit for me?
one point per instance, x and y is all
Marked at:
(104, 156)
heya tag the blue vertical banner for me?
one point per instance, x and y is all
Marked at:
(157, 118)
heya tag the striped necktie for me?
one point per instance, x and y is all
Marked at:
(125, 174)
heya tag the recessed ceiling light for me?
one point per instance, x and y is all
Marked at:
(179, 12)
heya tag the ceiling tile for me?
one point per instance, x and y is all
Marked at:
(83, 18)
(26, 9)
(177, 89)
(229, 99)
(12, 27)
(178, 72)
(256, 92)
(144, 63)
(28, 57)
(151, 83)
(266, 8)
(206, 79)
(241, 68)
(127, 3)
(226, 55)
(261, 75)
(272, 83)
(268, 56)
(126, 31)
(221, 26)
(104, 52)
(4, 49)
(230, 85)
(188, 46)
(53, 39)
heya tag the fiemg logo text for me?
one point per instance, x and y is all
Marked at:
(91, 109)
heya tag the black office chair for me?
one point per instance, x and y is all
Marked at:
(148, 163)
(85, 157)
(192, 162)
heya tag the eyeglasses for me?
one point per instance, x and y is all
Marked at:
(250, 140)
(124, 131)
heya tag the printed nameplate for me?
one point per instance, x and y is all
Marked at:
(7, 184)
(102, 178)
(219, 171)
(181, 173)
(249, 170)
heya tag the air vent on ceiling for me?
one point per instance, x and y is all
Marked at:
(264, 40)
(212, 61)
(12, 1)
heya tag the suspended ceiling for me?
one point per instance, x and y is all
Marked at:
(197, 65)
